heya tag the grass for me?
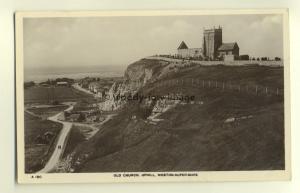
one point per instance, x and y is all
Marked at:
(48, 111)
(196, 137)
(75, 137)
(36, 154)
(44, 95)
(238, 75)
(84, 105)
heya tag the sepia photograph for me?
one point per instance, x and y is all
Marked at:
(152, 96)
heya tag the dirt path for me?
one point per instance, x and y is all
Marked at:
(60, 145)
(54, 159)
(32, 114)
(76, 86)
(95, 128)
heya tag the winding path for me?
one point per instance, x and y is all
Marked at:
(54, 159)
(59, 147)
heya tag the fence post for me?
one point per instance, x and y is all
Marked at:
(266, 90)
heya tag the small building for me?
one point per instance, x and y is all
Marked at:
(92, 118)
(44, 84)
(229, 49)
(74, 117)
(244, 57)
(94, 87)
(62, 83)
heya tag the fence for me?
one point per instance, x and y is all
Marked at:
(222, 86)
(271, 63)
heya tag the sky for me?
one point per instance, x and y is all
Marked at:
(115, 42)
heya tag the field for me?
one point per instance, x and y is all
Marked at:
(196, 136)
(38, 147)
(46, 112)
(45, 95)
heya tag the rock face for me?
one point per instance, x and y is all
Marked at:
(136, 76)
(160, 107)
(112, 103)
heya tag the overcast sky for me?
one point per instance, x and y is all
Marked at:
(118, 41)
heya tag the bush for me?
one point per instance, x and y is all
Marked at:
(81, 117)
(277, 59)
(55, 103)
(28, 84)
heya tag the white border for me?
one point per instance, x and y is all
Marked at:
(204, 176)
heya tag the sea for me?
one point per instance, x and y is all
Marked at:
(40, 75)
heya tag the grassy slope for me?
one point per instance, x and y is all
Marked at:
(75, 137)
(36, 155)
(195, 137)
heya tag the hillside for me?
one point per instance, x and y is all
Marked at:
(234, 122)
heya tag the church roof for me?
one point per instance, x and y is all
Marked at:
(182, 46)
(227, 46)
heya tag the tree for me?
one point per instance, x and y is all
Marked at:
(277, 58)
(55, 102)
(29, 84)
(81, 117)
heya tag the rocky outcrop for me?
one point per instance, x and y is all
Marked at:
(111, 102)
(136, 76)
(160, 107)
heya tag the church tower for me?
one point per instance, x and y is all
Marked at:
(212, 40)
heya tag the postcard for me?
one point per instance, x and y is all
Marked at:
(152, 96)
